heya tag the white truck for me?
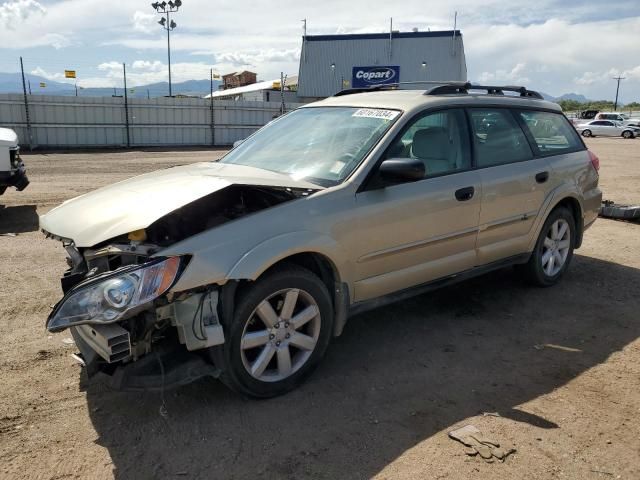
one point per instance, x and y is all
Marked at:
(12, 170)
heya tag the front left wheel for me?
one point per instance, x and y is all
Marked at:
(281, 329)
(627, 134)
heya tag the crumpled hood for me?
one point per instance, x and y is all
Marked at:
(136, 203)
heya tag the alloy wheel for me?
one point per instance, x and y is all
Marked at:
(555, 247)
(280, 335)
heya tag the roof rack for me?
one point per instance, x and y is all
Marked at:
(464, 87)
(447, 88)
(391, 86)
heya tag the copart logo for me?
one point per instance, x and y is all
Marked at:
(376, 75)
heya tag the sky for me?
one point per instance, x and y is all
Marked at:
(549, 45)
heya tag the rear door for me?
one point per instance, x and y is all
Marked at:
(413, 233)
(514, 183)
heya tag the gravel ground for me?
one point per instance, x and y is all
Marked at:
(558, 368)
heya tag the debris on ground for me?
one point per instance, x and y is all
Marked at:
(8, 234)
(477, 444)
(556, 347)
(609, 209)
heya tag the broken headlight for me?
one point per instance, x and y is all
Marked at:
(115, 296)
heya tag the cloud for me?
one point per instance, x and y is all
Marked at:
(143, 22)
(14, 13)
(41, 72)
(514, 75)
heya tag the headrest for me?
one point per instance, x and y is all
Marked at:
(431, 142)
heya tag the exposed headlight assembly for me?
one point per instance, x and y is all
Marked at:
(114, 296)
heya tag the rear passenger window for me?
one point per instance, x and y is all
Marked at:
(498, 138)
(552, 132)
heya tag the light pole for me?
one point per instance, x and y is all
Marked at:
(166, 8)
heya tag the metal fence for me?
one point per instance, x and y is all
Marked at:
(81, 122)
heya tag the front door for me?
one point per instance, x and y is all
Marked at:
(413, 233)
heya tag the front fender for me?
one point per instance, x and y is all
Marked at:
(257, 260)
(241, 261)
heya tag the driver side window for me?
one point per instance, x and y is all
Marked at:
(439, 139)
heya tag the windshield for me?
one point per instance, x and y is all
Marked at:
(321, 145)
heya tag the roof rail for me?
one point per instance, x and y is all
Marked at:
(351, 91)
(447, 88)
(392, 86)
(464, 87)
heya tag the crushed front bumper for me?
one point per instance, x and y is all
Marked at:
(168, 366)
(14, 178)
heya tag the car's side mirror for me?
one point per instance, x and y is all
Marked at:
(402, 170)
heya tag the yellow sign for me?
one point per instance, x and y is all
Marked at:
(275, 85)
(216, 76)
(42, 84)
(69, 74)
(345, 83)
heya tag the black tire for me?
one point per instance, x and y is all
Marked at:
(533, 269)
(627, 134)
(229, 357)
(587, 133)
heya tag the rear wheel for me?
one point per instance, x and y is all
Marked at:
(586, 133)
(554, 249)
(627, 134)
(280, 332)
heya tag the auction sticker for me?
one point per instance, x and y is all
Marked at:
(376, 113)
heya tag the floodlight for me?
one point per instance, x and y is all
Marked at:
(155, 5)
(178, 3)
(170, 4)
(173, 24)
(162, 21)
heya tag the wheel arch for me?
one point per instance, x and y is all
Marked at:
(319, 254)
(573, 205)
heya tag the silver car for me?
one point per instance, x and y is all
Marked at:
(607, 128)
(245, 268)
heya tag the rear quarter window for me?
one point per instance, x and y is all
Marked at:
(551, 132)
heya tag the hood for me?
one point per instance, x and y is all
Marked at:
(136, 203)
(8, 138)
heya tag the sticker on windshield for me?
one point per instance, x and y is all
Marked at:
(376, 113)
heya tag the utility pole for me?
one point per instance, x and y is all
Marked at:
(126, 104)
(213, 137)
(618, 78)
(168, 25)
(26, 106)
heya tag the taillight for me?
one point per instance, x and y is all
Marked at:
(595, 161)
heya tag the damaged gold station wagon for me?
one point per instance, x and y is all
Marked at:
(244, 268)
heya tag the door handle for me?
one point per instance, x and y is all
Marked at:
(542, 177)
(465, 194)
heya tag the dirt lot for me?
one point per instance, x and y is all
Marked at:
(385, 397)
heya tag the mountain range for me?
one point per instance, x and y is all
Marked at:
(12, 83)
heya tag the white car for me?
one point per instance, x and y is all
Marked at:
(619, 117)
(12, 171)
(607, 128)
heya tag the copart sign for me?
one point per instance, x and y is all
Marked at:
(371, 76)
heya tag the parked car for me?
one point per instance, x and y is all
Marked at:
(622, 118)
(245, 268)
(607, 128)
(12, 170)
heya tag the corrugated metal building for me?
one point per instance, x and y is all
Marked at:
(330, 63)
